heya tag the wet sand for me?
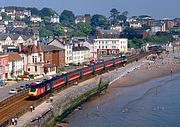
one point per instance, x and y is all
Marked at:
(149, 71)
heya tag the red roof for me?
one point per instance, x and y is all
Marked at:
(14, 57)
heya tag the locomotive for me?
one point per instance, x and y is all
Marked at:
(38, 90)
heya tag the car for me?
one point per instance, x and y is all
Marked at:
(2, 83)
(38, 81)
(66, 65)
(18, 89)
(27, 86)
(22, 87)
(13, 91)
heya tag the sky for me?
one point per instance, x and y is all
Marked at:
(156, 8)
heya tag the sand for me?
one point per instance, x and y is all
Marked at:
(149, 71)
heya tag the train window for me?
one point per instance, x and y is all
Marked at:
(33, 89)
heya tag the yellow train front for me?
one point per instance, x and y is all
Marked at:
(37, 90)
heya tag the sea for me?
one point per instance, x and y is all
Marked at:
(155, 103)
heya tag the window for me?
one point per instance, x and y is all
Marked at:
(40, 56)
(35, 68)
(34, 59)
(28, 69)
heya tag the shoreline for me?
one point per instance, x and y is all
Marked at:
(146, 72)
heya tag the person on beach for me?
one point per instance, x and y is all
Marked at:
(12, 121)
(171, 71)
(15, 121)
(51, 99)
(31, 108)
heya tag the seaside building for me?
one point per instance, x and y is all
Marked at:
(108, 46)
(80, 54)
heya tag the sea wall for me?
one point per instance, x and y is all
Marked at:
(66, 101)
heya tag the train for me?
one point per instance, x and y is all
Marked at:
(39, 90)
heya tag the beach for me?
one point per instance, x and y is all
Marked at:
(149, 71)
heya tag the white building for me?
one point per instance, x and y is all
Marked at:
(110, 46)
(27, 13)
(79, 19)
(15, 65)
(35, 19)
(2, 28)
(80, 54)
(118, 28)
(1, 18)
(135, 24)
(55, 19)
(158, 27)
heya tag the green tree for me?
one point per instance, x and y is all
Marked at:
(45, 32)
(47, 12)
(58, 30)
(67, 18)
(114, 16)
(99, 21)
(34, 11)
(5, 16)
(18, 18)
(85, 28)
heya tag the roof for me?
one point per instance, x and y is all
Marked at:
(48, 48)
(80, 48)
(12, 36)
(14, 57)
(32, 49)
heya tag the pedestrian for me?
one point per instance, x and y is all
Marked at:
(51, 99)
(171, 71)
(13, 121)
(31, 108)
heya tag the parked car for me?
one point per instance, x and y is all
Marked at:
(2, 83)
(18, 89)
(22, 87)
(27, 86)
(13, 91)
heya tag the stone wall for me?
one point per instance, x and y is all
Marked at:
(66, 100)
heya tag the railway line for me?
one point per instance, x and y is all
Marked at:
(19, 103)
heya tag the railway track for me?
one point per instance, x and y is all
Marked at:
(19, 105)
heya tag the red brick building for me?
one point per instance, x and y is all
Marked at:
(54, 55)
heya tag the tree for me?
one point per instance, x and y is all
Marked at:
(5, 16)
(45, 32)
(99, 21)
(67, 18)
(34, 11)
(125, 13)
(47, 12)
(18, 18)
(114, 16)
(84, 28)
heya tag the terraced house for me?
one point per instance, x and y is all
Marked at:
(3, 66)
(15, 63)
